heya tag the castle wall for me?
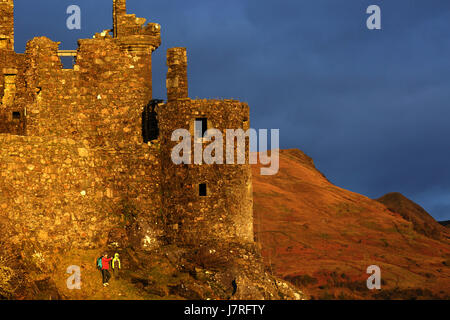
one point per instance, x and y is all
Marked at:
(100, 100)
(73, 164)
(59, 191)
(12, 81)
(80, 132)
(226, 213)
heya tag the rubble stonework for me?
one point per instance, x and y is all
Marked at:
(7, 24)
(226, 212)
(73, 163)
(59, 191)
(177, 79)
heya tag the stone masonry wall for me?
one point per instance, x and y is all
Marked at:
(177, 78)
(128, 24)
(100, 100)
(79, 165)
(7, 24)
(73, 165)
(12, 81)
(60, 192)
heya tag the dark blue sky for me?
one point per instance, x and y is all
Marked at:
(371, 107)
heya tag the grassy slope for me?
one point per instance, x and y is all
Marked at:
(422, 221)
(121, 289)
(91, 281)
(325, 237)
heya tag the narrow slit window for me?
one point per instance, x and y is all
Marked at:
(201, 126)
(150, 126)
(202, 190)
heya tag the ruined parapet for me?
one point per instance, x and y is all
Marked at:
(43, 61)
(119, 11)
(132, 31)
(136, 39)
(7, 24)
(123, 24)
(42, 74)
(177, 78)
(100, 100)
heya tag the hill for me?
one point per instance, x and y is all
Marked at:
(323, 238)
(445, 223)
(422, 221)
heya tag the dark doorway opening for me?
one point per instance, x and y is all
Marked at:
(150, 127)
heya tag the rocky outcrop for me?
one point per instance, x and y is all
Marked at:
(207, 272)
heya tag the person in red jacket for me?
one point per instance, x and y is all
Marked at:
(105, 270)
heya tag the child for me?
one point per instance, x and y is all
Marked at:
(116, 266)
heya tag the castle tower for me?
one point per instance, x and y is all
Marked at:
(7, 24)
(138, 39)
(202, 203)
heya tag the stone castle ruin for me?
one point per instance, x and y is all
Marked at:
(86, 149)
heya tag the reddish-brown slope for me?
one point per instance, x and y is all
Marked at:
(422, 221)
(323, 238)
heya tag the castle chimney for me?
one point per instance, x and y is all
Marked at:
(177, 79)
(7, 24)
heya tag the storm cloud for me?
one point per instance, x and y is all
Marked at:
(370, 106)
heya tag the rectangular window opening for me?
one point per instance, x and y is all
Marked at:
(16, 115)
(67, 62)
(202, 190)
(150, 125)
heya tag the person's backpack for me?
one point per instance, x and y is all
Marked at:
(99, 263)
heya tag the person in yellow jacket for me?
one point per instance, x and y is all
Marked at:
(116, 265)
